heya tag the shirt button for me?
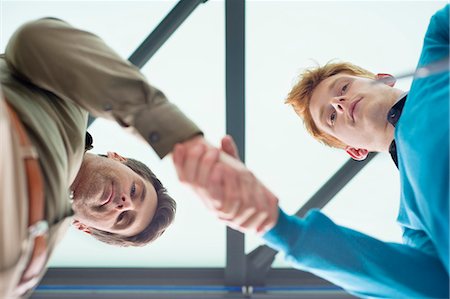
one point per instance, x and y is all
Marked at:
(154, 137)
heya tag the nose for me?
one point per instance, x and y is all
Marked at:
(124, 203)
(339, 103)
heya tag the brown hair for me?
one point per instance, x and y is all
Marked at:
(164, 215)
(300, 95)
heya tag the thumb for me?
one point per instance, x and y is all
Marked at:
(229, 146)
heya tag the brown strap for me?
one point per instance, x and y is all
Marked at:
(37, 225)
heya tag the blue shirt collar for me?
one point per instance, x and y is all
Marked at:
(393, 116)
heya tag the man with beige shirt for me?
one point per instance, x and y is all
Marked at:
(52, 75)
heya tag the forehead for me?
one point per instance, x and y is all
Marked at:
(324, 87)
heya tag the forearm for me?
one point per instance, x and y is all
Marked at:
(78, 66)
(358, 263)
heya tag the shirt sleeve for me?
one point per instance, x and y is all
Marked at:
(423, 144)
(436, 40)
(362, 265)
(78, 66)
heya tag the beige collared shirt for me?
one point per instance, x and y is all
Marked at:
(53, 75)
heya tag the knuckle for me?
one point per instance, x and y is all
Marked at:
(243, 174)
(264, 214)
(210, 157)
(218, 168)
(222, 209)
(233, 194)
(274, 200)
(208, 160)
(251, 210)
(195, 152)
(246, 176)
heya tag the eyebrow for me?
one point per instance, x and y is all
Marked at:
(144, 191)
(321, 117)
(332, 85)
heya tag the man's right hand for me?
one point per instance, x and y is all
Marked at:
(225, 185)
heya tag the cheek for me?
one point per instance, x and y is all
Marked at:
(90, 217)
(348, 134)
(101, 223)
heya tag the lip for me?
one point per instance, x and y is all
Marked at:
(108, 195)
(352, 108)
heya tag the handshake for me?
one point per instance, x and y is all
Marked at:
(225, 185)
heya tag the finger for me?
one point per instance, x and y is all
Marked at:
(271, 206)
(213, 193)
(229, 146)
(234, 199)
(206, 199)
(192, 162)
(178, 156)
(268, 224)
(244, 213)
(210, 158)
(250, 193)
(231, 195)
(254, 221)
(258, 210)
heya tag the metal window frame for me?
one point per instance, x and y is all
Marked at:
(245, 275)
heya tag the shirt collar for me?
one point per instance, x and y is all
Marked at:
(88, 141)
(394, 113)
(393, 116)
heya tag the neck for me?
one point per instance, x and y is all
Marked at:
(397, 95)
(86, 158)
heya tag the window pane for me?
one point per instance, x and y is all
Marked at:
(189, 68)
(283, 37)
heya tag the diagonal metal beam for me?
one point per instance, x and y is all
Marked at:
(179, 13)
(235, 270)
(163, 31)
(260, 260)
(335, 184)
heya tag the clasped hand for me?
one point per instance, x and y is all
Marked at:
(225, 185)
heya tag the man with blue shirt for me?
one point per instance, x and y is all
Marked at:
(350, 108)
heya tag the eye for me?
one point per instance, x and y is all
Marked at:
(133, 190)
(120, 217)
(344, 88)
(333, 117)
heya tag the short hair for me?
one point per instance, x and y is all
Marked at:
(164, 214)
(300, 95)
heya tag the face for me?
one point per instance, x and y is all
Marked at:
(354, 110)
(109, 196)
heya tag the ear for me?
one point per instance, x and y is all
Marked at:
(81, 226)
(357, 154)
(386, 79)
(116, 156)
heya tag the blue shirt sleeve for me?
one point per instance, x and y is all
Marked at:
(365, 266)
(422, 137)
(362, 265)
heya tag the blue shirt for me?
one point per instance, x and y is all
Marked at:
(365, 266)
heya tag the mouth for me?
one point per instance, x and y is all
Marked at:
(108, 195)
(353, 107)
